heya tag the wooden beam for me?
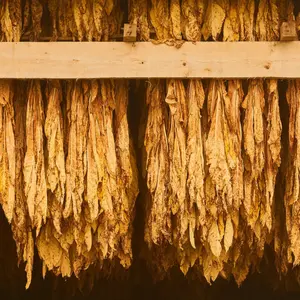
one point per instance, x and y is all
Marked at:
(71, 60)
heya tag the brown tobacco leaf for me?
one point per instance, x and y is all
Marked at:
(177, 104)
(214, 239)
(15, 13)
(159, 17)
(87, 20)
(54, 6)
(138, 14)
(231, 30)
(214, 19)
(7, 150)
(26, 15)
(34, 161)
(70, 19)
(254, 156)
(158, 222)
(234, 147)
(6, 26)
(32, 17)
(246, 10)
(56, 173)
(92, 128)
(102, 165)
(195, 159)
(20, 223)
(267, 21)
(98, 13)
(273, 149)
(49, 250)
(218, 186)
(201, 10)
(78, 18)
(262, 134)
(128, 173)
(76, 162)
(108, 191)
(102, 229)
(190, 25)
(36, 14)
(95, 152)
(20, 217)
(286, 10)
(291, 197)
(28, 257)
(175, 12)
(61, 19)
(224, 179)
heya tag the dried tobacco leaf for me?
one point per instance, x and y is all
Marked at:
(20, 216)
(28, 257)
(219, 190)
(246, 10)
(6, 25)
(195, 158)
(267, 21)
(158, 12)
(54, 257)
(20, 223)
(138, 14)
(61, 19)
(273, 149)
(128, 173)
(214, 19)
(53, 6)
(262, 159)
(7, 150)
(254, 155)
(76, 162)
(85, 19)
(34, 162)
(231, 30)
(175, 19)
(177, 104)
(291, 197)
(190, 25)
(95, 152)
(56, 173)
(158, 223)
(286, 10)
(36, 14)
(15, 13)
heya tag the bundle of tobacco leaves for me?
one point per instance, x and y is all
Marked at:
(68, 177)
(85, 20)
(81, 20)
(211, 180)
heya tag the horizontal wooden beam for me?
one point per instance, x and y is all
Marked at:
(72, 60)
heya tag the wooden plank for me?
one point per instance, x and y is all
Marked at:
(70, 60)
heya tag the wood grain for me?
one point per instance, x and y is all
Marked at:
(71, 60)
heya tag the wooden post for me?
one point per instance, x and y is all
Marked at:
(288, 31)
(129, 33)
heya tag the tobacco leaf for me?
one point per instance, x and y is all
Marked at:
(267, 21)
(56, 172)
(76, 162)
(7, 150)
(34, 162)
(214, 19)
(158, 219)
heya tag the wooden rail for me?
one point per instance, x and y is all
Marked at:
(72, 60)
